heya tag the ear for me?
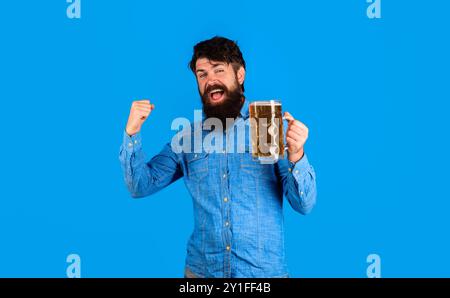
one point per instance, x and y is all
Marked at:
(241, 75)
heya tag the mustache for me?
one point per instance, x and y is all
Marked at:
(228, 108)
(214, 86)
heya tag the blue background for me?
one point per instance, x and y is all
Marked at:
(374, 94)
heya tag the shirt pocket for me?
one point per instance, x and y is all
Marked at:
(251, 166)
(197, 165)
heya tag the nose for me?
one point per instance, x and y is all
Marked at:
(211, 83)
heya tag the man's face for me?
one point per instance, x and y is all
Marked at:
(216, 80)
(220, 89)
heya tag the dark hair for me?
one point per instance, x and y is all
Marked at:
(218, 49)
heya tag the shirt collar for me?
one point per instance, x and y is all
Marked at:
(244, 113)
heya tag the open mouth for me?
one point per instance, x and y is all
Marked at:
(216, 95)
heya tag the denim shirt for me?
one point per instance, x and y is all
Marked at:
(238, 202)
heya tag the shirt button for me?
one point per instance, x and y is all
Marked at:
(195, 156)
(228, 247)
(301, 193)
(227, 223)
(224, 176)
(296, 171)
(135, 141)
(225, 199)
(290, 170)
(130, 144)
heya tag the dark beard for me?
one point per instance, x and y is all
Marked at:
(230, 106)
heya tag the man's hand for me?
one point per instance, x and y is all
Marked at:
(296, 136)
(139, 112)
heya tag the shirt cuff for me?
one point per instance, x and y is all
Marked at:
(132, 143)
(300, 167)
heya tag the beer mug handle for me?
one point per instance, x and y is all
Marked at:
(285, 145)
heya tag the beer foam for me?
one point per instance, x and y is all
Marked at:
(265, 103)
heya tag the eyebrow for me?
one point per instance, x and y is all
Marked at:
(213, 66)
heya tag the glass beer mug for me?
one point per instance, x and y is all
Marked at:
(266, 130)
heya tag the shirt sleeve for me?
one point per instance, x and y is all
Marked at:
(145, 178)
(299, 184)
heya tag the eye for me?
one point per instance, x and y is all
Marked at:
(202, 75)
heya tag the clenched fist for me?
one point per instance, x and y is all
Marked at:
(296, 136)
(139, 112)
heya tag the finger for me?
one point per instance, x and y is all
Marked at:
(301, 130)
(297, 140)
(294, 135)
(143, 109)
(298, 129)
(291, 142)
(142, 104)
(142, 112)
(139, 103)
(151, 107)
(299, 124)
(142, 101)
(288, 117)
